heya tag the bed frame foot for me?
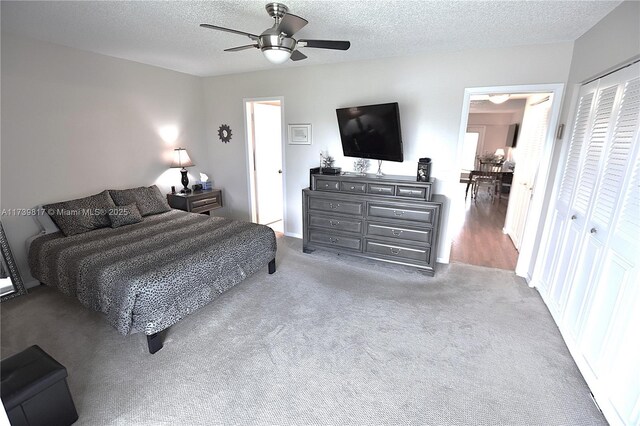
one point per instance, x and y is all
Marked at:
(155, 342)
(272, 266)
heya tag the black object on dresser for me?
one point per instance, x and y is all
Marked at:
(393, 219)
(197, 201)
(324, 171)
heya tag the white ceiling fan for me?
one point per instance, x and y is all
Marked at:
(277, 42)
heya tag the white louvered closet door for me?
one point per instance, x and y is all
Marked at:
(587, 246)
(608, 334)
(592, 260)
(556, 262)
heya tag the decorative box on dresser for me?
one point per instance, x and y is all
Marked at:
(393, 219)
(203, 201)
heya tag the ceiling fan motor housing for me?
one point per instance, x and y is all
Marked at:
(276, 42)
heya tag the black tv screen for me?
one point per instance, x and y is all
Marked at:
(371, 131)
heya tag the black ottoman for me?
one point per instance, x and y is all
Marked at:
(34, 390)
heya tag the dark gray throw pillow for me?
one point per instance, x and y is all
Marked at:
(149, 200)
(82, 214)
(124, 215)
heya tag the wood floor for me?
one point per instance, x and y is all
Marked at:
(480, 240)
(278, 228)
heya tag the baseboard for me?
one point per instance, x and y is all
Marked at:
(293, 234)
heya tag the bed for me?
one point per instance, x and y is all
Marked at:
(146, 276)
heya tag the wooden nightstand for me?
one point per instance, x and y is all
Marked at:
(197, 201)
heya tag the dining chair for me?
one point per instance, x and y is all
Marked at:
(488, 174)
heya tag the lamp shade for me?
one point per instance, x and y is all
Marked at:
(181, 158)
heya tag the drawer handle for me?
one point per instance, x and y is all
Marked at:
(334, 206)
(204, 201)
(353, 187)
(334, 222)
(379, 189)
(398, 213)
(333, 240)
(396, 232)
(395, 250)
(574, 217)
(593, 230)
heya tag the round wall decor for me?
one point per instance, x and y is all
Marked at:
(224, 133)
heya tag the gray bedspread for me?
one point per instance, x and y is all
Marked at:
(147, 276)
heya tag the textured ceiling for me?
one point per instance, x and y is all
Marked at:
(166, 34)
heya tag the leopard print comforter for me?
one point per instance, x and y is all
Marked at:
(147, 276)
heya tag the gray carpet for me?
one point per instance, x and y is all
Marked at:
(326, 340)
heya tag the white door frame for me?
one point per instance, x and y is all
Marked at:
(536, 216)
(249, 158)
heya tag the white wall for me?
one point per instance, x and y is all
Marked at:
(496, 130)
(75, 123)
(429, 89)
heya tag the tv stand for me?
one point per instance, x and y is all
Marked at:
(391, 218)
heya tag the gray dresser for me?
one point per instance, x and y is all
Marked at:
(393, 219)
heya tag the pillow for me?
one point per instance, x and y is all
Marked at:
(127, 215)
(82, 214)
(148, 200)
(44, 221)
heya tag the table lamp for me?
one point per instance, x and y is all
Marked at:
(181, 160)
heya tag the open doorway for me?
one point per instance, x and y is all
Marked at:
(264, 124)
(504, 154)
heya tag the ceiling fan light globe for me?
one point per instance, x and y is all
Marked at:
(277, 56)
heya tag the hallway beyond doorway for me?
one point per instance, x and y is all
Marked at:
(480, 241)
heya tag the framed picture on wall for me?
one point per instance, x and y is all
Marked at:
(299, 134)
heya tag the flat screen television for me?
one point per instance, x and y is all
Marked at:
(371, 131)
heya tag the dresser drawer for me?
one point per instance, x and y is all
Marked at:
(400, 232)
(425, 215)
(340, 224)
(336, 240)
(327, 185)
(400, 252)
(348, 207)
(211, 201)
(356, 187)
(413, 192)
(381, 189)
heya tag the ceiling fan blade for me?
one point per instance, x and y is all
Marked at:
(326, 44)
(296, 55)
(229, 30)
(291, 24)
(239, 48)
